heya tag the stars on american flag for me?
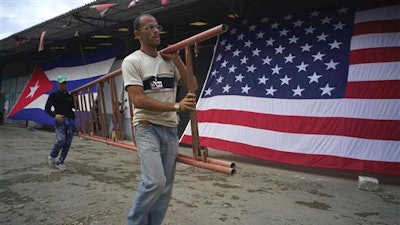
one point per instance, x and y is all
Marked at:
(302, 55)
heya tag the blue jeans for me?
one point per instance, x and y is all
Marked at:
(158, 150)
(64, 134)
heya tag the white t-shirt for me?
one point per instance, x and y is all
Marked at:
(159, 79)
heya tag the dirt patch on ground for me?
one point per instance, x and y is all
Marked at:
(101, 180)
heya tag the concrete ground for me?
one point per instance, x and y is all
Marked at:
(101, 180)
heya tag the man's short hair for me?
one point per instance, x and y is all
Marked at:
(136, 22)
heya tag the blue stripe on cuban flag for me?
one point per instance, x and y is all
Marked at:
(78, 69)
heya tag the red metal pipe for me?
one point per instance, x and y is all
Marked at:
(109, 141)
(205, 165)
(103, 78)
(197, 38)
(213, 161)
(172, 48)
(212, 164)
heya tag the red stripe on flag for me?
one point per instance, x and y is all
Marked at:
(351, 127)
(388, 89)
(373, 55)
(322, 161)
(389, 26)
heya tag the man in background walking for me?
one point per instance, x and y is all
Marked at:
(59, 105)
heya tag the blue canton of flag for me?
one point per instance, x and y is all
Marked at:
(304, 56)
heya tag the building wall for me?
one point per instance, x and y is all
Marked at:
(10, 91)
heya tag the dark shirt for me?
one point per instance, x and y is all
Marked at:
(63, 104)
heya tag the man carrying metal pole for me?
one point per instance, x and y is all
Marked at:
(151, 78)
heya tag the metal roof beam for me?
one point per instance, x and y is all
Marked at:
(114, 35)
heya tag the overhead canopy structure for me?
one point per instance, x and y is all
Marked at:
(180, 20)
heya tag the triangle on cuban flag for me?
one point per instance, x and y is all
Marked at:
(79, 70)
(37, 85)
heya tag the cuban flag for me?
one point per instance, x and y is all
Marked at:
(79, 70)
(316, 88)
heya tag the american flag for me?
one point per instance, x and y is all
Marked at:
(318, 88)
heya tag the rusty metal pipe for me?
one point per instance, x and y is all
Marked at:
(213, 161)
(211, 164)
(103, 78)
(205, 165)
(181, 158)
(109, 141)
(207, 34)
(192, 87)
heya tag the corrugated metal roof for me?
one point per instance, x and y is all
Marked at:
(175, 17)
(85, 20)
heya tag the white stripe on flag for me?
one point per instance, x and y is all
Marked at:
(303, 143)
(381, 40)
(389, 109)
(374, 71)
(378, 14)
(38, 103)
(81, 72)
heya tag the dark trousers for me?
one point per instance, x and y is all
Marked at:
(64, 134)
